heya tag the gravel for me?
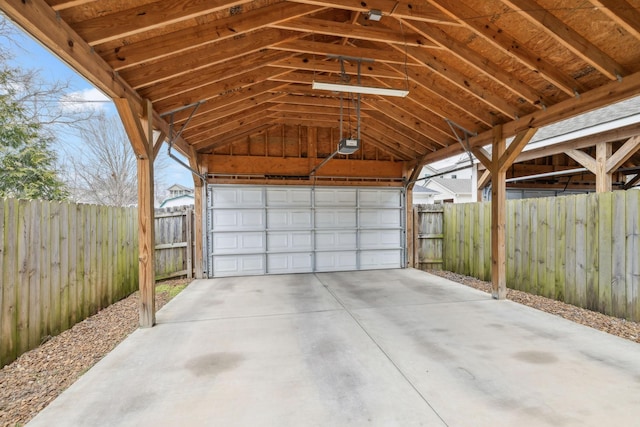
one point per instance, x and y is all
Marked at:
(37, 377)
(40, 375)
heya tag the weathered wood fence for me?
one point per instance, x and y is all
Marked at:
(428, 228)
(59, 264)
(174, 242)
(584, 249)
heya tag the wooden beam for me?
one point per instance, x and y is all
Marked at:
(349, 30)
(603, 178)
(157, 145)
(515, 148)
(498, 219)
(584, 159)
(628, 149)
(622, 13)
(200, 188)
(632, 182)
(419, 11)
(484, 179)
(496, 36)
(260, 165)
(570, 39)
(478, 62)
(146, 17)
(139, 131)
(193, 37)
(319, 48)
(582, 142)
(484, 156)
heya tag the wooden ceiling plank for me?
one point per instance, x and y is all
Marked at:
(386, 143)
(480, 64)
(329, 49)
(219, 88)
(308, 63)
(504, 42)
(216, 140)
(389, 111)
(58, 5)
(234, 122)
(569, 38)
(204, 34)
(462, 82)
(182, 64)
(408, 137)
(244, 97)
(348, 30)
(217, 72)
(418, 11)
(622, 13)
(147, 17)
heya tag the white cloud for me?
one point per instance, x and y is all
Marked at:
(87, 99)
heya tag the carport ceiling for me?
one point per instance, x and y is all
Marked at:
(478, 63)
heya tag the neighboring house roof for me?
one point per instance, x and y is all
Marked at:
(178, 187)
(421, 189)
(454, 186)
(175, 201)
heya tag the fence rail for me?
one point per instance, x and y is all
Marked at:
(581, 249)
(59, 264)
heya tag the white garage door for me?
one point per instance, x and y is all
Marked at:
(277, 229)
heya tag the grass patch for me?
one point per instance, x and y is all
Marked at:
(171, 290)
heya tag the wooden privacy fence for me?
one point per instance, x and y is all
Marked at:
(59, 264)
(428, 228)
(584, 249)
(173, 232)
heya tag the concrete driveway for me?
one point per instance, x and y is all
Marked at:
(382, 348)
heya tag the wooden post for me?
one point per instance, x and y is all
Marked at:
(188, 214)
(603, 177)
(497, 163)
(140, 132)
(498, 218)
(199, 229)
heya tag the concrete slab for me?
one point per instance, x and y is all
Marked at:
(385, 348)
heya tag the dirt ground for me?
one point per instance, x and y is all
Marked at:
(39, 376)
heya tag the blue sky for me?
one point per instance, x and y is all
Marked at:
(29, 54)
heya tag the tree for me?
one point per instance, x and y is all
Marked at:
(104, 169)
(27, 163)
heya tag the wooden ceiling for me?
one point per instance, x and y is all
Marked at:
(477, 63)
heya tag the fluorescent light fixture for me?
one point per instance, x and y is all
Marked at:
(375, 15)
(368, 90)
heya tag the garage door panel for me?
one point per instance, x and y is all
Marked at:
(288, 241)
(335, 218)
(384, 218)
(235, 242)
(237, 197)
(335, 197)
(290, 263)
(336, 261)
(238, 265)
(380, 239)
(288, 197)
(372, 260)
(236, 220)
(326, 240)
(379, 198)
(289, 219)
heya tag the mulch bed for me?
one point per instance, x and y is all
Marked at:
(40, 375)
(602, 322)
